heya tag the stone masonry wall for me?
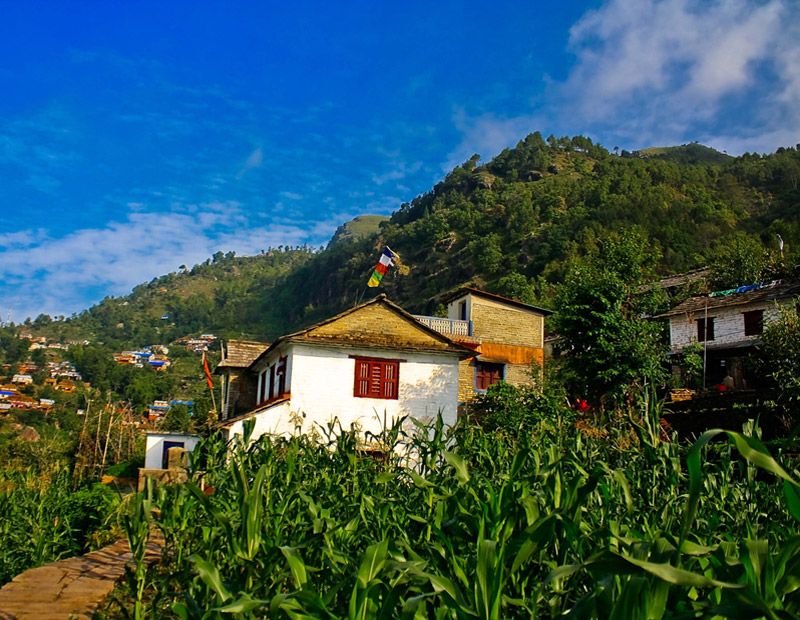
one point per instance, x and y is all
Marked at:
(516, 374)
(493, 322)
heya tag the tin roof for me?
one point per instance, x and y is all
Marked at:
(767, 291)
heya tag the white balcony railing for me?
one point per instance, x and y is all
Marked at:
(448, 327)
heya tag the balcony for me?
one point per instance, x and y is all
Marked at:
(448, 327)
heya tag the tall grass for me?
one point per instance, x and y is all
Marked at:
(469, 524)
(43, 518)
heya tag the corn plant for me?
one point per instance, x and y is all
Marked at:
(465, 524)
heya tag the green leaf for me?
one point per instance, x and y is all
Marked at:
(371, 565)
(209, 573)
(296, 565)
(243, 604)
(459, 464)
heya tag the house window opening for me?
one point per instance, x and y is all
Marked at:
(165, 454)
(376, 379)
(705, 329)
(753, 322)
(487, 374)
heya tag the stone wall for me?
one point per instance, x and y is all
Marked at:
(728, 324)
(493, 322)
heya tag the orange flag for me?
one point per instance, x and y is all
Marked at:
(208, 372)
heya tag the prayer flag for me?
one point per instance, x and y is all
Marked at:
(380, 269)
(208, 372)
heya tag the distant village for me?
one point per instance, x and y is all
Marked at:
(62, 376)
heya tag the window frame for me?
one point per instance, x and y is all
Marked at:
(475, 378)
(751, 323)
(389, 377)
(704, 334)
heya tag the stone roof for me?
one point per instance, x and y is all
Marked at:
(680, 279)
(469, 290)
(768, 291)
(353, 329)
(242, 353)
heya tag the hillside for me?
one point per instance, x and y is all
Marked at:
(692, 153)
(358, 228)
(512, 225)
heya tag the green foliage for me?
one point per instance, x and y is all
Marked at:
(177, 419)
(692, 365)
(520, 409)
(43, 518)
(469, 524)
(608, 343)
(780, 356)
(741, 260)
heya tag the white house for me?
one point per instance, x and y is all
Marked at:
(728, 324)
(158, 444)
(370, 364)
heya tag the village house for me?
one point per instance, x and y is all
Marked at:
(365, 368)
(166, 456)
(506, 335)
(728, 325)
(375, 363)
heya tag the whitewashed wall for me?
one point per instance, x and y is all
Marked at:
(728, 324)
(154, 449)
(271, 421)
(321, 381)
(454, 308)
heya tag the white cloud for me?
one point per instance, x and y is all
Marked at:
(673, 70)
(122, 254)
(658, 72)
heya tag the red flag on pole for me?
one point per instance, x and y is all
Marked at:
(208, 372)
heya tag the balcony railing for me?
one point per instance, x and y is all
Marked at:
(448, 327)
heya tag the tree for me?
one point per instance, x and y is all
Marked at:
(610, 347)
(780, 356)
(177, 420)
(741, 260)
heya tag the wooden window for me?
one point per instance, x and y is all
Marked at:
(271, 382)
(281, 373)
(705, 329)
(753, 322)
(462, 311)
(487, 374)
(376, 378)
(262, 396)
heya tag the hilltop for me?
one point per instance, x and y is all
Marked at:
(692, 153)
(358, 228)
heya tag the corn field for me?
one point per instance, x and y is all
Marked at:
(467, 524)
(45, 517)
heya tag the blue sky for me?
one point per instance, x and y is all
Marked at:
(139, 136)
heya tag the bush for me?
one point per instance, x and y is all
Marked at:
(510, 408)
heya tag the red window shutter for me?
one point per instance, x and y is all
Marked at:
(390, 379)
(376, 379)
(362, 379)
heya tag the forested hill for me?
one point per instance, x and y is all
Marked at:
(512, 225)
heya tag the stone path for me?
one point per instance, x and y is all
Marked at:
(72, 588)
